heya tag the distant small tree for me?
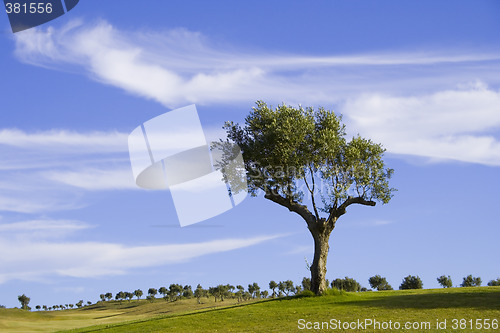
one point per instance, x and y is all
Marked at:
(38, 307)
(289, 287)
(152, 293)
(347, 284)
(411, 282)
(470, 281)
(120, 296)
(188, 292)
(215, 292)
(79, 304)
(129, 295)
(102, 297)
(138, 293)
(240, 292)
(24, 300)
(72, 306)
(379, 283)
(306, 283)
(89, 303)
(281, 288)
(273, 285)
(108, 296)
(45, 307)
(199, 292)
(298, 289)
(246, 296)
(264, 294)
(445, 281)
(175, 291)
(493, 283)
(163, 291)
(256, 290)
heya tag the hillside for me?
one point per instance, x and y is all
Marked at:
(422, 308)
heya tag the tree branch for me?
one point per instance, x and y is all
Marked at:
(336, 213)
(311, 190)
(292, 206)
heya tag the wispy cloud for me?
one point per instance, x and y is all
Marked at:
(95, 179)
(63, 140)
(457, 124)
(41, 228)
(178, 66)
(414, 103)
(36, 260)
(41, 171)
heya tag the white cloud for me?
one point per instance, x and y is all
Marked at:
(402, 100)
(36, 260)
(178, 66)
(95, 179)
(454, 124)
(41, 228)
(63, 140)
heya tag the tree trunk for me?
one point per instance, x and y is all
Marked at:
(318, 267)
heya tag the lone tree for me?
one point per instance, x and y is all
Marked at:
(24, 300)
(470, 281)
(411, 282)
(291, 152)
(379, 283)
(445, 281)
(138, 293)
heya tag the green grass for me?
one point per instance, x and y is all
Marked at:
(282, 315)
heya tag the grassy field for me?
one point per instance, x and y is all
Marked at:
(421, 309)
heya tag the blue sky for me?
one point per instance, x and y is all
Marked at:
(419, 77)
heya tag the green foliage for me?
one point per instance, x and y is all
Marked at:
(187, 292)
(24, 300)
(470, 281)
(347, 284)
(254, 290)
(445, 281)
(411, 282)
(152, 293)
(494, 282)
(306, 293)
(306, 283)
(199, 293)
(285, 145)
(379, 283)
(138, 293)
(273, 285)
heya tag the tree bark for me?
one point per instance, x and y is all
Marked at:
(318, 267)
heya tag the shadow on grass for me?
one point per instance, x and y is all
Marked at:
(477, 300)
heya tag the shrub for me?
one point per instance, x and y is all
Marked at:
(494, 282)
(411, 282)
(306, 293)
(470, 281)
(306, 283)
(347, 284)
(445, 281)
(379, 283)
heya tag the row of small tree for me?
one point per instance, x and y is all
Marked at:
(409, 282)
(279, 289)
